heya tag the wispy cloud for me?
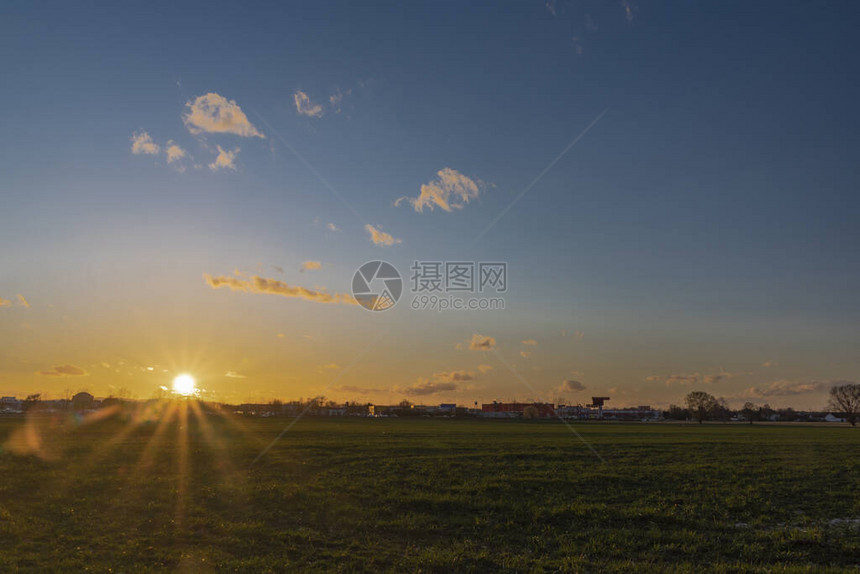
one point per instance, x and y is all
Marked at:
(570, 386)
(692, 378)
(5, 302)
(23, 301)
(460, 376)
(213, 113)
(226, 159)
(769, 364)
(629, 9)
(525, 354)
(310, 265)
(380, 237)
(64, 371)
(426, 387)
(484, 369)
(529, 342)
(257, 284)
(306, 107)
(785, 388)
(449, 191)
(357, 390)
(337, 97)
(480, 343)
(141, 143)
(332, 227)
(234, 375)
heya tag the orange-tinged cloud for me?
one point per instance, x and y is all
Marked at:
(450, 190)
(141, 143)
(213, 113)
(305, 106)
(23, 301)
(257, 284)
(226, 159)
(309, 265)
(380, 237)
(64, 371)
(481, 343)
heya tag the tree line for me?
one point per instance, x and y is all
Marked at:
(700, 406)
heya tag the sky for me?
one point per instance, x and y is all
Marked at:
(672, 186)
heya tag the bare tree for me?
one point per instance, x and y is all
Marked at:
(701, 405)
(846, 399)
(750, 411)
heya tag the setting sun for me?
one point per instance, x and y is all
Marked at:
(184, 385)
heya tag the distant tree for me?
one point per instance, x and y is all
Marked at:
(766, 412)
(721, 411)
(677, 413)
(750, 412)
(531, 412)
(787, 414)
(846, 399)
(701, 404)
(31, 402)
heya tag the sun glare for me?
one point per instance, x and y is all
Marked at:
(184, 385)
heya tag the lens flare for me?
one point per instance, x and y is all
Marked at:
(184, 385)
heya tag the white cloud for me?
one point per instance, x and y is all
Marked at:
(141, 143)
(305, 107)
(332, 227)
(233, 375)
(226, 159)
(450, 190)
(213, 113)
(380, 237)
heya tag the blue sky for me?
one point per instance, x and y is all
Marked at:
(706, 224)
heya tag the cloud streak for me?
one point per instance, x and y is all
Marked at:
(64, 371)
(427, 387)
(310, 265)
(263, 285)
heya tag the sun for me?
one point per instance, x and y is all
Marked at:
(184, 385)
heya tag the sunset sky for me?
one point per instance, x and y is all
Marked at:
(673, 185)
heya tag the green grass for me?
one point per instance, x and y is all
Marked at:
(427, 495)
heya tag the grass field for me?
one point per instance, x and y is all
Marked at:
(180, 493)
